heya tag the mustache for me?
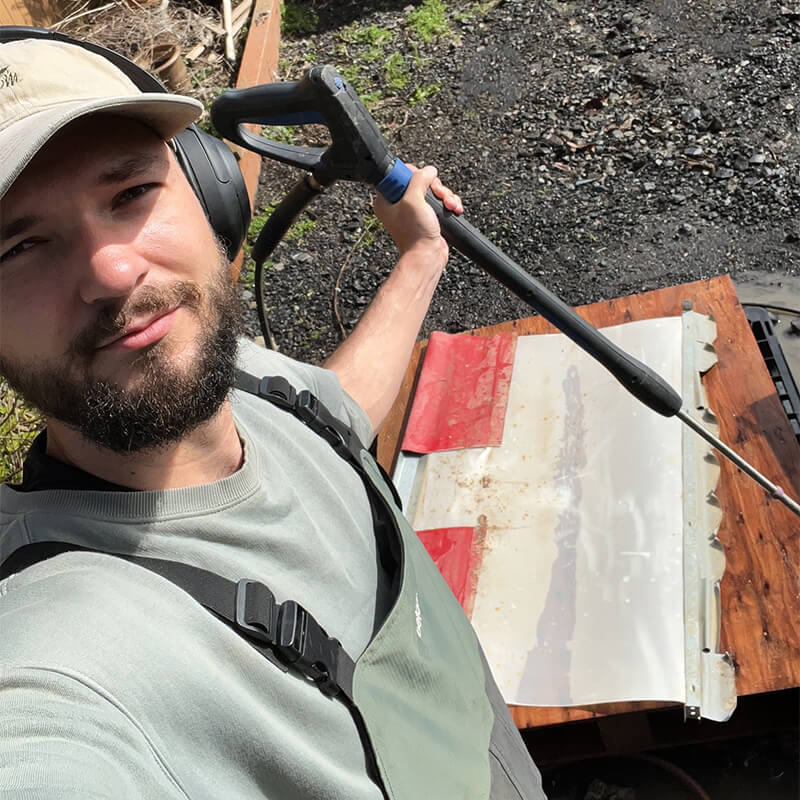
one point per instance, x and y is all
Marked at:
(112, 320)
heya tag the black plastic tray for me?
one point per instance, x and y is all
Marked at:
(764, 331)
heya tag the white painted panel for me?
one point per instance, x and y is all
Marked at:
(580, 596)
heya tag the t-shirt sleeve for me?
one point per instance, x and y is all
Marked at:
(61, 739)
(321, 382)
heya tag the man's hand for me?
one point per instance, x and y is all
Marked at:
(411, 222)
(371, 362)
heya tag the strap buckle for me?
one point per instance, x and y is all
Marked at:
(305, 646)
(298, 640)
(257, 613)
(340, 437)
(277, 389)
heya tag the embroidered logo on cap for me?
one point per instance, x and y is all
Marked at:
(8, 78)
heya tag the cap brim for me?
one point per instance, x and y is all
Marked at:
(166, 114)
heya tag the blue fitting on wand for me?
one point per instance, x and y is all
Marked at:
(394, 184)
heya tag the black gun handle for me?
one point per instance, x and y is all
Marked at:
(641, 381)
(357, 152)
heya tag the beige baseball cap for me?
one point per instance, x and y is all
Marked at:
(44, 85)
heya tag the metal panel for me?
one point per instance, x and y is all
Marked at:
(582, 587)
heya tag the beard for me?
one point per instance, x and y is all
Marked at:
(167, 400)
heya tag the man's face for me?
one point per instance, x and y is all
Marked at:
(117, 313)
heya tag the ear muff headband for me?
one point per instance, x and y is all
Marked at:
(208, 163)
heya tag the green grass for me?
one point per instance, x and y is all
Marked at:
(19, 424)
(199, 76)
(367, 44)
(478, 9)
(370, 98)
(371, 224)
(300, 230)
(298, 20)
(257, 224)
(374, 53)
(247, 275)
(397, 76)
(278, 133)
(563, 7)
(295, 234)
(358, 34)
(313, 336)
(354, 75)
(428, 21)
(424, 93)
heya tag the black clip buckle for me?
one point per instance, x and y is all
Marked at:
(319, 419)
(279, 390)
(256, 611)
(307, 648)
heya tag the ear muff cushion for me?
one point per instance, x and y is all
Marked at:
(213, 172)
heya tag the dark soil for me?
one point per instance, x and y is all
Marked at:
(608, 147)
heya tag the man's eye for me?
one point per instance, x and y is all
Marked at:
(127, 195)
(18, 249)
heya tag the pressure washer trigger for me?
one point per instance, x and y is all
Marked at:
(285, 103)
(357, 151)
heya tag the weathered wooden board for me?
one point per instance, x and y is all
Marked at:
(14, 12)
(259, 64)
(32, 12)
(761, 587)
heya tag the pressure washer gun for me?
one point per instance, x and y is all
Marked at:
(358, 152)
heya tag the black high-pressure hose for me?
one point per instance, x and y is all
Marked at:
(359, 152)
(279, 222)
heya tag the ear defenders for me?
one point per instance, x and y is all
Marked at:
(208, 163)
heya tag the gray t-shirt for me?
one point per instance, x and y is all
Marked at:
(116, 684)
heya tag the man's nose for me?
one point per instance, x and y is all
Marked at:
(113, 271)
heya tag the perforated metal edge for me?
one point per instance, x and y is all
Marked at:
(710, 680)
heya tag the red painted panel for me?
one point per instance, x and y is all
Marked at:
(457, 553)
(462, 393)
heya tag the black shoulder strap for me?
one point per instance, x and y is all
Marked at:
(311, 412)
(305, 406)
(285, 633)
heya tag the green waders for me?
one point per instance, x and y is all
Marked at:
(431, 718)
(436, 720)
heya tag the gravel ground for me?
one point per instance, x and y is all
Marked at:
(608, 147)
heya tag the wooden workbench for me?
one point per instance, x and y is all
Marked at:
(761, 586)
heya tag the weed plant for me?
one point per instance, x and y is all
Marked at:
(19, 424)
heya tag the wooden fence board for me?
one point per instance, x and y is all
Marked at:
(13, 12)
(31, 12)
(259, 65)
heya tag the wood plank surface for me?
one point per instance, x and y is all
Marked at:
(761, 586)
(32, 12)
(14, 12)
(259, 65)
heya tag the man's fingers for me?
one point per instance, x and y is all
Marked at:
(450, 199)
(428, 176)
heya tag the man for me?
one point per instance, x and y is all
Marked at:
(118, 320)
